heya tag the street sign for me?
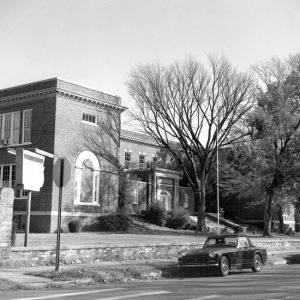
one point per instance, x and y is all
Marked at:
(62, 172)
(61, 176)
(29, 170)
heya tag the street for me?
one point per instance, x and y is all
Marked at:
(277, 282)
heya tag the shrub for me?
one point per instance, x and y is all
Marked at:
(156, 215)
(117, 222)
(75, 226)
(13, 233)
(179, 219)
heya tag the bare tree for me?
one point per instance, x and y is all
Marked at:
(189, 109)
(104, 139)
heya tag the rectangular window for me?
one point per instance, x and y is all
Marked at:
(135, 198)
(27, 115)
(1, 126)
(127, 159)
(186, 201)
(89, 118)
(142, 161)
(16, 128)
(9, 128)
(8, 178)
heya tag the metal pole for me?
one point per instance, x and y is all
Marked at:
(61, 182)
(27, 226)
(218, 204)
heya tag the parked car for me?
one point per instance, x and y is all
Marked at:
(224, 253)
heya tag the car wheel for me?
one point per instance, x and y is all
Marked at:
(257, 263)
(224, 266)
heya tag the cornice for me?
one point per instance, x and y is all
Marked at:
(34, 95)
(90, 100)
(28, 95)
(139, 141)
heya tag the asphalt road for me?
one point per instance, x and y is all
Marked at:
(277, 282)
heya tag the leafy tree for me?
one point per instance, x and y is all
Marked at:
(267, 167)
(189, 110)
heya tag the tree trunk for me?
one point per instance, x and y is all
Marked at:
(268, 212)
(202, 206)
(280, 218)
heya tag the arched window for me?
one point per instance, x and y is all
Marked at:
(87, 179)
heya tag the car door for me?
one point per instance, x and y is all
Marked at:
(245, 252)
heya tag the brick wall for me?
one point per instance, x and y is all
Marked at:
(136, 147)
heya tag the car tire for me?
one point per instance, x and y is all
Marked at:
(257, 263)
(224, 266)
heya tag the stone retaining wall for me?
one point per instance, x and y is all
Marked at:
(35, 256)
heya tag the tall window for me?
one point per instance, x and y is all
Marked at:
(127, 159)
(6, 175)
(87, 179)
(142, 161)
(27, 114)
(16, 128)
(10, 128)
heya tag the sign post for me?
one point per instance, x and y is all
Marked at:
(30, 177)
(61, 176)
(27, 225)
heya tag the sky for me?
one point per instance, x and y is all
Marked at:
(95, 43)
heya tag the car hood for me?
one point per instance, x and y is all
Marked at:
(209, 249)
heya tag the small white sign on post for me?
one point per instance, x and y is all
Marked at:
(29, 170)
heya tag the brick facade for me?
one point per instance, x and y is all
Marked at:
(57, 126)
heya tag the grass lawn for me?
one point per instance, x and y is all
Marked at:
(94, 274)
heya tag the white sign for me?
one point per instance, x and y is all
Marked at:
(29, 170)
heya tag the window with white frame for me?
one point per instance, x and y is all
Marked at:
(185, 200)
(142, 159)
(127, 159)
(87, 179)
(135, 198)
(8, 178)
(10, 128)
(91, 119)
(27, 115)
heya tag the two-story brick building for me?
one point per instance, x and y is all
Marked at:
(53, 115)
(139, 154)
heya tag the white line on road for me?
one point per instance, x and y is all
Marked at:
(134, 295)
(206, 297)
(70, 294)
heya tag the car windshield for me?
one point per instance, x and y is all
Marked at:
(221, 241)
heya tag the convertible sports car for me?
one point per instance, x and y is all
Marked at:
(224, 253)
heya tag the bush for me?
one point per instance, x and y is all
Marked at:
(75, 226)
(156, 215)
(117, 222)
(179, 219)
(13, 234)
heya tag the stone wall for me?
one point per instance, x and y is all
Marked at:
(35, 256)
(6, 214)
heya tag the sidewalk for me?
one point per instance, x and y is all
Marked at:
(22, 280)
